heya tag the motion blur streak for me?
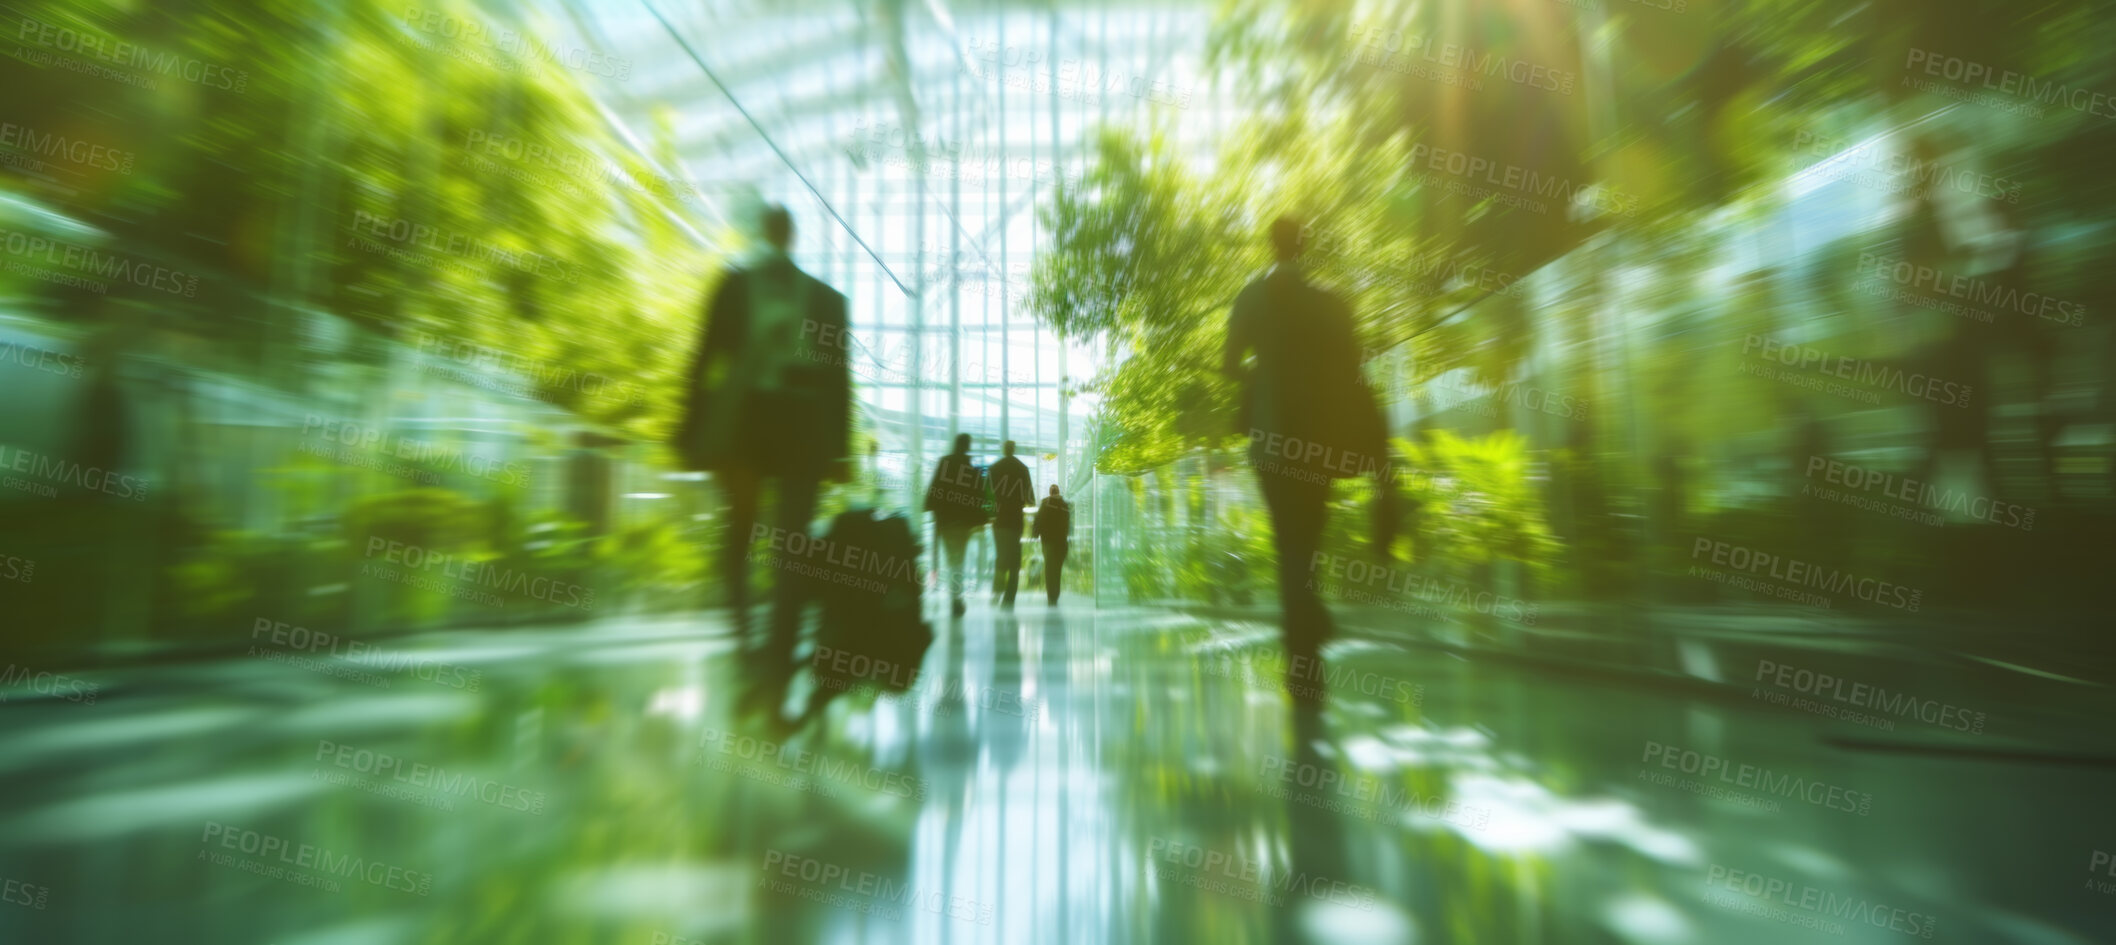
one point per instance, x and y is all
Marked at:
(1488, 471)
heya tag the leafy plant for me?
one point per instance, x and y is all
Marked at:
(1473, 503)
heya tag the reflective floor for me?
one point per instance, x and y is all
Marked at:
(1053, 776)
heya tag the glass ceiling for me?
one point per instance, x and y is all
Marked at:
(913, 143)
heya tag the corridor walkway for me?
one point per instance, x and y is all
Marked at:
(1058, 776)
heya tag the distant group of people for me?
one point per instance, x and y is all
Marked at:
(957, 498)
(769, 399)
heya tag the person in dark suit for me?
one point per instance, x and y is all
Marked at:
(1310, 419)
(956, 497)
(770, 398)
(1013, 490)
(1054, 527)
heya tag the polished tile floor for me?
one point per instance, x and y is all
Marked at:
(1064, 776)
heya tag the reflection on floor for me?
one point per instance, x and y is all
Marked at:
(1057, 776)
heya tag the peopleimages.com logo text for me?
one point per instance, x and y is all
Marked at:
(1714, 768)
(1858, 370)
(2029, 88)
(1861, 695)
(304, 864)
(1805, 574)
(1858, 910)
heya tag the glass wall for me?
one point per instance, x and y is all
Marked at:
(437, 275)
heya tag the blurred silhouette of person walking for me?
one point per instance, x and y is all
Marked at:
(956, 497)
(1013, 490)
(1310, 419)
(1054, 527)
(769, 399)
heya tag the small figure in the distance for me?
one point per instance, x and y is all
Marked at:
(1054, 527)
(956, 497)
(1013, 490)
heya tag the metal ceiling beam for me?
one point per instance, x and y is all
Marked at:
(790, 166)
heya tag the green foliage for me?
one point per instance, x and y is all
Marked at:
(652, 566)
(1704, 108)
(1127, 269)
(1148, 257)
(211, 586)
(1146, 572)
(544, 240)
(435, 520)
(1228, 561)
(548, 563)
(216, 587)
(1474, 504)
